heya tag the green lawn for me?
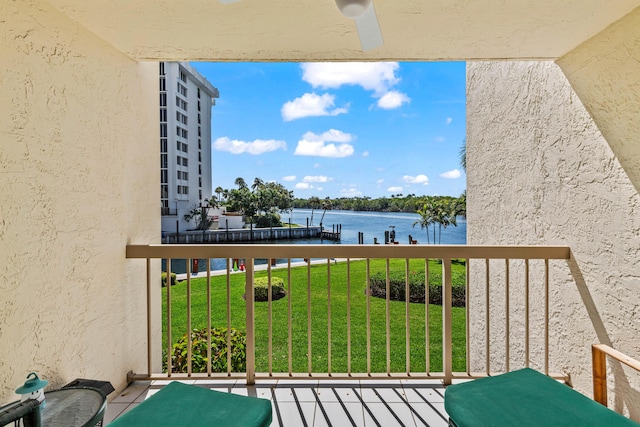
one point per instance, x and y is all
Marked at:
(319, 309)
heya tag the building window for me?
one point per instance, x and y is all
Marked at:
(164, 176)
(200, 194)
(178, 160)
(163, 84)
(163, 99)
(199, 131)
(185, 189)
(164, 191)
(185, 133)
(185, 148)
(199, 144)
(178, 130)
(199, 156)
(198, 105)
(162, 73)
(163, 130)
(183, 104)
(182, 90)
(163, 145)
(163, 161)
(198, 118)
(200, 169)
(198, 92)
(185, 161)
(185, 176)
(199, 181)
(163, 114)
(183, 77)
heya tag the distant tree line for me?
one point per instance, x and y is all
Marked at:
(396, 203)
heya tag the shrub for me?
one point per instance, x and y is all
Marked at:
(164, 279)
(261, 289)
(397, 287)
(218, 351)
(268, 220)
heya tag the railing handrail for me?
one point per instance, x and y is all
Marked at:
(347, 251)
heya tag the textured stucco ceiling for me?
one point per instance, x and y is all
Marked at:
(306, 30)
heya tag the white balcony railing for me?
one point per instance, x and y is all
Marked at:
(345, 348)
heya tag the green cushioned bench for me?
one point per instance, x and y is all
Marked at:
(179, 404)
(525, 398)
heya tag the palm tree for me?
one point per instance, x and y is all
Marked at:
(427, 217)
(240, 183)
(257, 183)
(315, 203)
(463, 155)
(219, 192)
(326, 204)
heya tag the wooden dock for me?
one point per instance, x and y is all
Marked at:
(242, 235)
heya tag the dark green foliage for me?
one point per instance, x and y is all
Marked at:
(218, 351)
(398, 286)
(268, 220)
(261, 289)
(164, 279)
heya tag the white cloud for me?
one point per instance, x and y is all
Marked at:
(439, 139)
(289, 178)
(394, 189)
(452, 174)
(373, 76)
(303, 186)
(449, 120)
(365, 154)
(420, 179)
(323, 145)
(256, 147)
(380, 181)
(350, 192)
(319, 178)
(393, 99)
(316, 165)
(310, 105)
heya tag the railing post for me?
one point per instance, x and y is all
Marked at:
(251, 339)
(447, 351)
(599, 360)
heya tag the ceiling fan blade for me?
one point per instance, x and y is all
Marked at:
(228, 1)
(369, 30)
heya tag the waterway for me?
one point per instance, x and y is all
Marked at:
(372, 224)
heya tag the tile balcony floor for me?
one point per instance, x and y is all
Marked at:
(322, 403)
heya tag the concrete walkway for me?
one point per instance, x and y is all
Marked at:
(259, 267)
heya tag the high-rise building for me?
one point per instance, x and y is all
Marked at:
(186, 98)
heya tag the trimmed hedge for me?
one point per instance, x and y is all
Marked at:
(397, 287)
(261, 289)
(164, 279)
(218, 351)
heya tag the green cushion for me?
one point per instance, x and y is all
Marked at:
(525, 398)
(179, 404)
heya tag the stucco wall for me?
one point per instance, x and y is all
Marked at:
(604, 72)
(540, 172)
(79, 178)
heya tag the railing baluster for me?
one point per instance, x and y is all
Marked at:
(427, 340)
(388, 316)
(309, 360)
(228, 316)
(546, 316)
(189, 338)
(149, 343)
(407, 294)
(250, 322)
(467, 312)
(447, 344)
(526, 313)
(487, 320)
(368, 292)
(209, 318)
(506, 317)
(349, 317)
(169, 346)
(329, 315)
(290, 330)
(269, 319)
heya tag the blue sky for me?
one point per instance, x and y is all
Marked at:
(340, 129)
